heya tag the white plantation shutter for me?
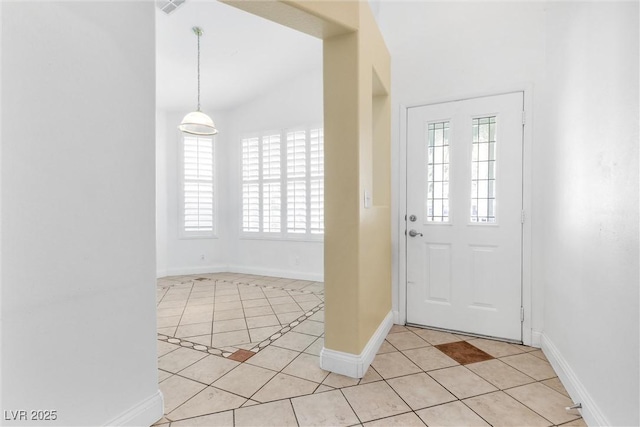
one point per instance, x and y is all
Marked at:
(316, 202)
(296, 206)
(296, 182)
(251, 207)
(251, 184)
(198, 206)
(271, 157)
(271, 173)
(283, 183)
(271, 207)
(250, 159)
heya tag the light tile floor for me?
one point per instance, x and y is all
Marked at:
(243, 350)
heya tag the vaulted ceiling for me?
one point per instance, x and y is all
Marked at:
(242, 56)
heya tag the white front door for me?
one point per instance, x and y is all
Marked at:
(464, 215)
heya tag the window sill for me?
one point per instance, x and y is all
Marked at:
(281, 238)
(197, 236)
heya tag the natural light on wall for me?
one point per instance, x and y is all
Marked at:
(283, 184)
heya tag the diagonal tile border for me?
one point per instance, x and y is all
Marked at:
(228, 351)
(187, 280)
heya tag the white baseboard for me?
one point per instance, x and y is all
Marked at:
(536, 339)
(193, 270)
(356, 365)
(590, 411)
(287, 274)
(144, 413)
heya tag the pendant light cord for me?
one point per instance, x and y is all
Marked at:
(198, 34)
(197, 122)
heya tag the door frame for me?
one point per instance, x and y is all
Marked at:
(528, 336)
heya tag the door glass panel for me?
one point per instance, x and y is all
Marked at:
(437, 203)
(483, 170)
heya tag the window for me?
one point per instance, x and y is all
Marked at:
(271, 194)
(197, 213)
(283, 183)
(438, 172)
(316, 205)
(483, 170)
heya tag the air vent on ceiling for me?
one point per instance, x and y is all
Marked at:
(168, 6)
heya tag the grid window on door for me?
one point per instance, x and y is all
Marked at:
(483, 170)
(438, 172)
(198, 186)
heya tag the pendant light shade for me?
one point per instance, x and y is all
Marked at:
(197, 122)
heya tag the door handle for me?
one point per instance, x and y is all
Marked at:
(414, 233)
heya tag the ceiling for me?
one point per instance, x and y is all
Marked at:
(242, 56)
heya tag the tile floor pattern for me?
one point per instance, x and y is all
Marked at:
(223, 313)
(411, 382)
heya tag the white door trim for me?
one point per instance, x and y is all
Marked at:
(527, 158)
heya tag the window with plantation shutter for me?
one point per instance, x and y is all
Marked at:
(271, 173)
(316, 191)
(251, 184)
(296, 182)
(197, 213)
(283, 184)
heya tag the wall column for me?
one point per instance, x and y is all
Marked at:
(357, 250)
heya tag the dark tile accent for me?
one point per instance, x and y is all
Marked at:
(463, 352)
(241, 355)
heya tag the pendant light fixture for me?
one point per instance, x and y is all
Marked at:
(197, 122)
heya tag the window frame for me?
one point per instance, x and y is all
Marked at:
(183, 234)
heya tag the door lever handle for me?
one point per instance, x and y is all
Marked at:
(414, 233)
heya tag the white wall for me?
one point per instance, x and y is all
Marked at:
(77, 198)
(588, 219)
(455, 50)
(162, 202)
(177, 254)
(579, 64)
(296, 103)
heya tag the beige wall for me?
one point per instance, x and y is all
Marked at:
(357, 159)
(374, 282)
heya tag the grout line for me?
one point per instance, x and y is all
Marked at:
(349, 403)
(472, 410)
(531, 409)
(244, 314)
(522, 372)
(185, 308)
(398, 394)
(233, 414)
(374, 370)
(165, 414)
(410, 411)
(293, 409)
